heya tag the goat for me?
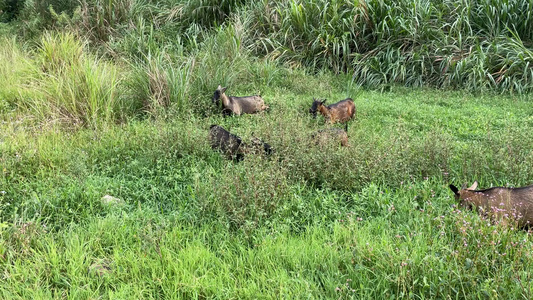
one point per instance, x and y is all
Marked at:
(499, 202)
(342, 111)
(228, 143)
(239, 105)
(258, 146)
(233, 147)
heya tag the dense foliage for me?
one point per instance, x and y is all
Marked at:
(477, 45)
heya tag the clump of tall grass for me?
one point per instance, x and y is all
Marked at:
(494, 18)
(15, 65)
(10, 9)
(71, 85)
(159, 84)
(99, 20)
(103, 21)
(505, 64)
(316, 34)
(205, 13)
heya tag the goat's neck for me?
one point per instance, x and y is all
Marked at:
(324, 111)
(225, 100)
(474, 198)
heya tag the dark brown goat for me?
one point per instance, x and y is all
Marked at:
(233, 147)
(342, 111)
(324, 135)
(239, 105)
(499, 202)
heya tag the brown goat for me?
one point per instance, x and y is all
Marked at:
(239, 105)
(233, 147)
(324, 135)
(499, 202)
(342, 111)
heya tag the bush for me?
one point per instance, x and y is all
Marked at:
(476, 45)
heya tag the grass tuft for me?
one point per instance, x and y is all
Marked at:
(65, 84)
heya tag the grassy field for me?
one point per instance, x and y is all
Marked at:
(114, 98)
(374, 220)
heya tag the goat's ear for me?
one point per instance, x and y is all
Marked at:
(324, 101)
(223, 89)
(473, 187)
(454, 189)
(219, 87)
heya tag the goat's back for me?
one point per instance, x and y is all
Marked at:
(342, 111)
(324, 136)
(249, 104)
(515, 203)
(225, 141)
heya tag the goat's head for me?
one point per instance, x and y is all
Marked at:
(218, 94)
(315, 106)
(464, 195)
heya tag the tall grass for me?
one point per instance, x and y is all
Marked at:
(76, 86)
(496, 18)
(66, 83)
(312, 33)
(159, 84)
(14, 67)
(101, 20)
(62, 82)
(35, 16)
(413, 43)
(450, 44)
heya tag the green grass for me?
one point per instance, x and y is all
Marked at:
(126, 112)
(59, 82)
(370, 221)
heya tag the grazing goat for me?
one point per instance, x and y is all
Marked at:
(342, 111)
(233, 147)
(499, 202)
(228, 143)
(239, 105)
(322, 136)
